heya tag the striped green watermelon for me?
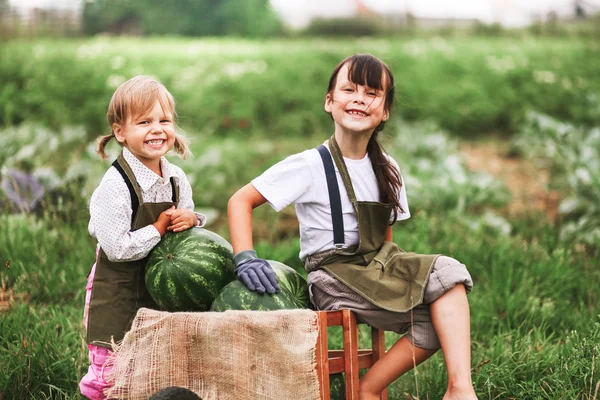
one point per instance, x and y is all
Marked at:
(293, 293)
(337, 386)
(186, 270)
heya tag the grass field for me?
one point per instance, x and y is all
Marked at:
(245, 105)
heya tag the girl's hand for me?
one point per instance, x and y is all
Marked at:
(164, 221)
(182, 219)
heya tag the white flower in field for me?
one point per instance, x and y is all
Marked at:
(436, 141)
(482, 181)
(91, 50)
(589, 155)
(236, 70)
(501, 64)
(219, 178)
(569, 205)
(424, 165)
(52, 144)
(117, 62)
(544, 76)
(72, 134)
(210, 158)
(217, 47)
(583, 176)
(193, 75)
(113, 81)
(263, 147)
(454, 167)
(90, 149)
(415, 48)
(47, 177)
(412, 182)
(26, 152)
(500, 224)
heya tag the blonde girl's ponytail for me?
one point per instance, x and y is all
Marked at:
(182, 146)
(101, 143)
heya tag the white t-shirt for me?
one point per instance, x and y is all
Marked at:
(300, 180)
(110, 208)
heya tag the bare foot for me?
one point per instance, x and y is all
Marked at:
(460, 394)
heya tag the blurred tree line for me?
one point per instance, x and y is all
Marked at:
(181, 17)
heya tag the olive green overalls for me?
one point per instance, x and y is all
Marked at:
(118, 289)
(379, 271)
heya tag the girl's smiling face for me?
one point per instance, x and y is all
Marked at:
(356, 107)
(148, 136)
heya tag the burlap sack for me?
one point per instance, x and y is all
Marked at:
(232, 355)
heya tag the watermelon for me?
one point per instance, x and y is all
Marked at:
(186, 270)
(293, 293)
(337, 386)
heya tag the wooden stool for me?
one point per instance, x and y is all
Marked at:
(349, 360)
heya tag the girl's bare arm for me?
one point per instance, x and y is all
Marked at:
(239, 212)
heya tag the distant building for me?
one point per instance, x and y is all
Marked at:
(298, 15)
(434, 14)
(398, 19)
(32, 18)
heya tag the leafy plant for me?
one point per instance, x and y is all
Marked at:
(573, 155)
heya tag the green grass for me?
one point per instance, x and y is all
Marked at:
(42, 351)
(535, 328)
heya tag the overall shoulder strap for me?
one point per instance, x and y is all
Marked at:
(334, 197)
(174, 191)
(135, 201)
(336, 153)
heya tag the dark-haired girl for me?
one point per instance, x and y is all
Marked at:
(347, 193)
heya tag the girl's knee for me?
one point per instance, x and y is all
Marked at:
(446, 274)
(444, 261)
(368, 389)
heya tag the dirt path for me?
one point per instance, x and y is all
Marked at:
(527, 183)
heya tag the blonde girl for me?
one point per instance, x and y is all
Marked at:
(140, 198)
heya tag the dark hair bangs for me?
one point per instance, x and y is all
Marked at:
(365, 70)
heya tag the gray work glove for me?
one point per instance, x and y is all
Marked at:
(255, 272)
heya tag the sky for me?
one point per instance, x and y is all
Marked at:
(45, 3)
(298, 13)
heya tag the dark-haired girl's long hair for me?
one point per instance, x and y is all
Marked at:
(365, 69)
